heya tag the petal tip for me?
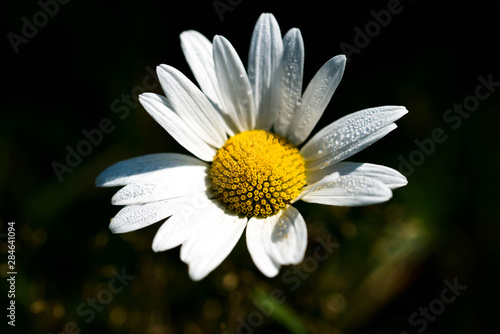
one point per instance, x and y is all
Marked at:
(341, 58)
(403, 181)
(187, 33)
(113, 228)
(99, 181)
(196, 275)
(155, 246)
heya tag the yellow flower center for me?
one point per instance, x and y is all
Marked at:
(257, 173)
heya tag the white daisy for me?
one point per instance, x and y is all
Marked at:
(245, 129)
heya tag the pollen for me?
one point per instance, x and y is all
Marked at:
(257, 173)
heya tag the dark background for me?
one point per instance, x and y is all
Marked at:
(81, 64)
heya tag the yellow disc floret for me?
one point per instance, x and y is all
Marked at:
(257, 173)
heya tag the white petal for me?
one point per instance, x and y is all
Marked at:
(349, 135)
(291, 82)
(212, 245)
(182, 132)
(236, 92)
(350, 190)
(312, 186)
(192, 106)
(255, 244)
(266, 49)
(134, 217)
(390, 177)
(287, 236)
(316, 97)
(170, 183)
(277, 240)
(198, 52)
(192, 249)
(184, 223)
(143, 167)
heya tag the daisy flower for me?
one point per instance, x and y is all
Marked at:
(247, 130)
